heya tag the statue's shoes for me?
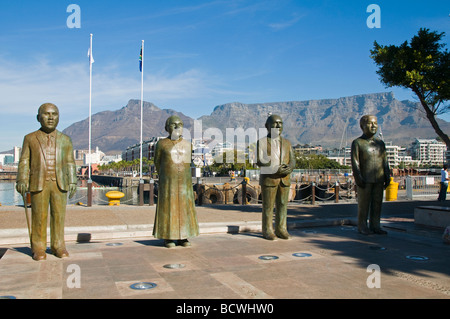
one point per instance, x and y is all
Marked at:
(270, 236)
(184, 243)
(282, 234)
(39, 255)
(169, 243)
(60, 252)
(364, 231)
(379, 231)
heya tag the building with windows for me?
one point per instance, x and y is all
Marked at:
(220, 148)
(6, 159)
(342, 156)
(429, 151)
(395, 154)
(134, 152)
(16, 153)
(201, 154)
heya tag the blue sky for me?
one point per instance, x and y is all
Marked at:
(198, 54)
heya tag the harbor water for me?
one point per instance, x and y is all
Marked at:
(10, 197)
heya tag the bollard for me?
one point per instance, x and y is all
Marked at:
(227, 191)
(114, 197)
(336, 192)
(89, 193)
(313, 193)
(244, 192)
(391, 190)
(151, 200)
(141, 192)
(199, 192)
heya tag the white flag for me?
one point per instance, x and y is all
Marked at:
(90, 56)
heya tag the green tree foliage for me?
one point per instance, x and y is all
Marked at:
(127, 166)
(423, 65)
(231, 160)
(315, 161)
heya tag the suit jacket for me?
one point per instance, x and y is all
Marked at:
(269, 176)
(32, 163)
(369, 161)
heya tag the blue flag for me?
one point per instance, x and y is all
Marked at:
(140, 61)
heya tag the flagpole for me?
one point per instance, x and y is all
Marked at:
(89, 195)
(90, 103)
(142, 103)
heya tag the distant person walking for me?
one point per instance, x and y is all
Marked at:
(444, 184)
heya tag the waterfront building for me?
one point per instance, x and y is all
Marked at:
(134, 151)
(342, 156)
(16, 153)
(429, 151)
(220, 148)
(95, 157)
(307, 149)
(395, 154)
(6, 159)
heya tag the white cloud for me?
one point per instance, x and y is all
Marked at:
(25, 87)
(285, 24)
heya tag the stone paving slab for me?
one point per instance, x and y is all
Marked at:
(227, 266)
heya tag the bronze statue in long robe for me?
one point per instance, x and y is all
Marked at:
(175, 218)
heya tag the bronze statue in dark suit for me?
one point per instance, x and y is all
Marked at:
(371, 172)
(47, 170)
(276, 160)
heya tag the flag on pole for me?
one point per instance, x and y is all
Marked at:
(140, 60)
(90, 56)
(141, 65)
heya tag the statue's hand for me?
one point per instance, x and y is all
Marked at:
(386, 183)
(284, 170)
(72, 190)
(360, 183)
(22, 187)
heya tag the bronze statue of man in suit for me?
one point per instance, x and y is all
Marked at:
(276, 160)
(371, 172)
(47, 170)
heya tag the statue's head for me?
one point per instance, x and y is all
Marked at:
(174, 126)
(274, 126)
(369, 125)
(48, 116)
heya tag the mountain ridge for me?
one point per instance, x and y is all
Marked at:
(326, 122)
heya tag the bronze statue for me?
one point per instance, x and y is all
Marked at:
(47, 170)
(176, 218)
(371, 172)
(276, 161)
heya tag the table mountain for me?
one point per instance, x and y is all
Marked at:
(324, 122)
(316, 122)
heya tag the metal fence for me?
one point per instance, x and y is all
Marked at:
(422, 186)
(250, 193)
(307, 187)
(311, 175)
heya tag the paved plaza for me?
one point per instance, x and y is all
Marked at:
(111, 249)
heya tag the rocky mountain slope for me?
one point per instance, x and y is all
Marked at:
(114, 131)
(327, 122)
